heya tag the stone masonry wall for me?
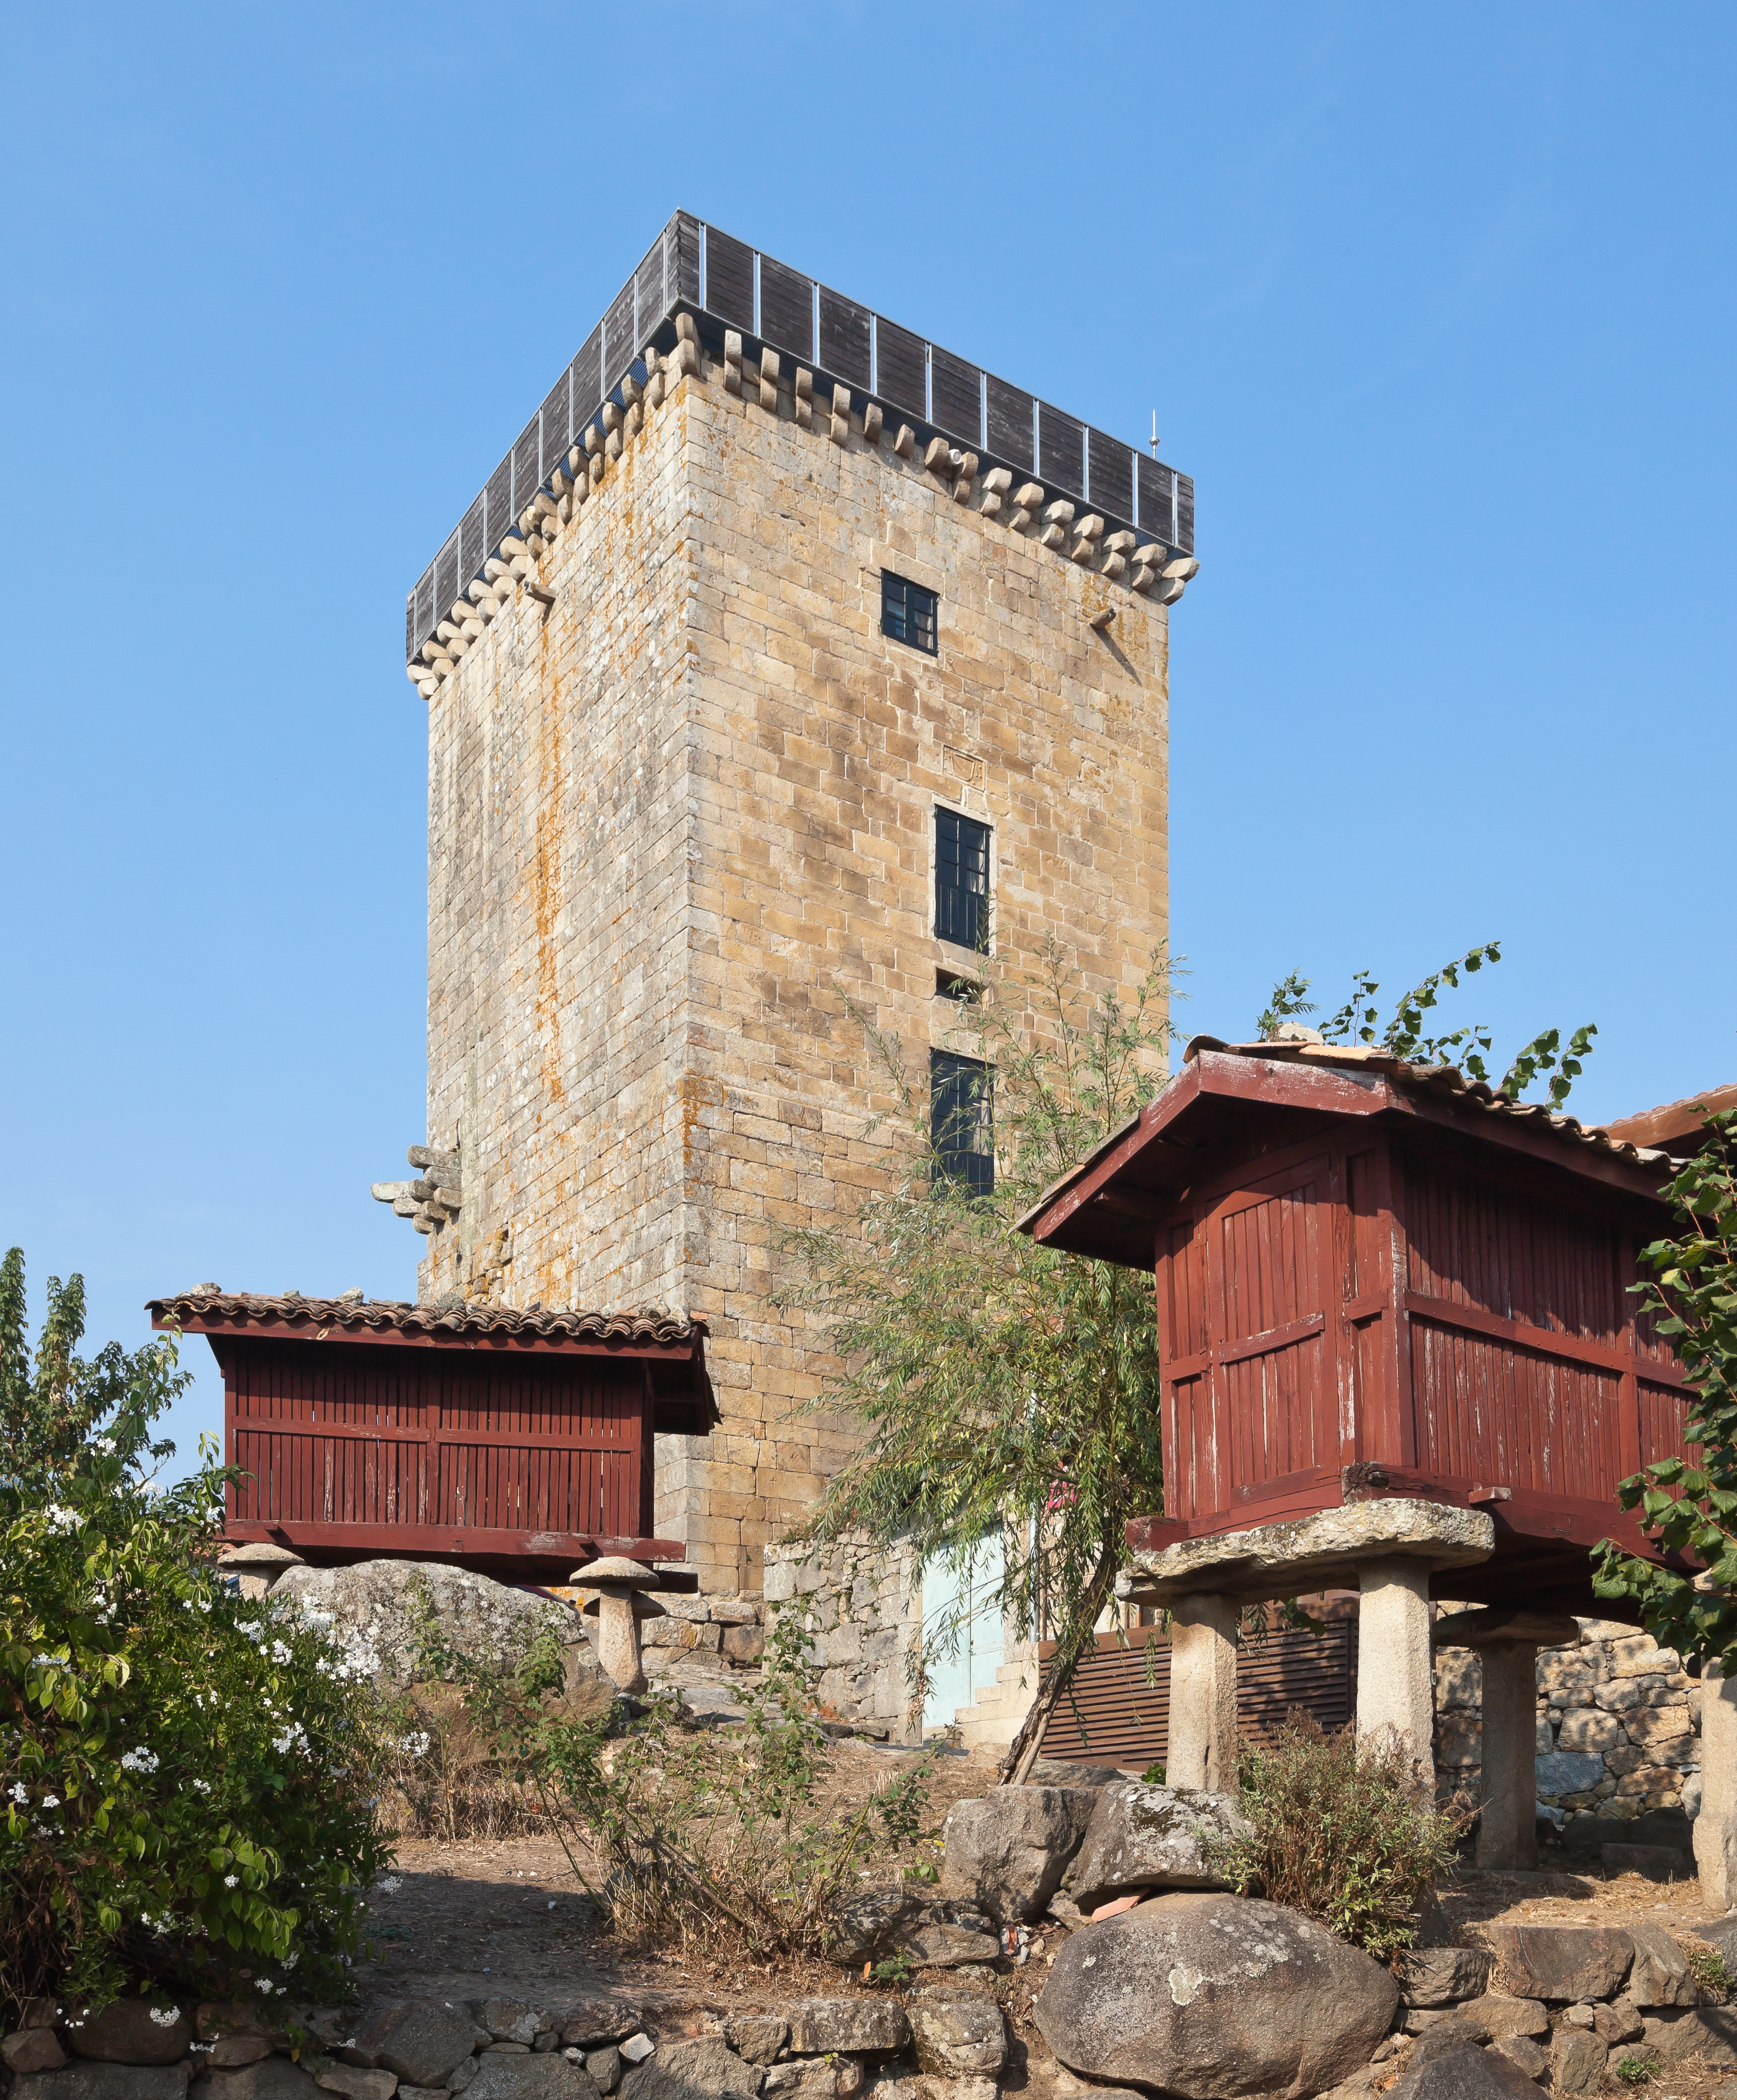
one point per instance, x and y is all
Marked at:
(862, 1612)
(679, 816)
(1618, 1722)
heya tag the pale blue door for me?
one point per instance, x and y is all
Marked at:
(954, 1680)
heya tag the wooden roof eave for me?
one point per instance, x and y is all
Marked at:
(1097, 1209)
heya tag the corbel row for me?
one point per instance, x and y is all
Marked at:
(1149, 566)
(513, 569)
(433, 1199)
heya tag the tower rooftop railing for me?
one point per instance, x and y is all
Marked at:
(695, 268)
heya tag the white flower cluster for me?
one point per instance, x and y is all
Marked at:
(19, 1793)
(279, 1653)
(139, 1761)
(294, 1737)
(163, 2016)
(105, 1445)
(58, 1518)
(414, 1746)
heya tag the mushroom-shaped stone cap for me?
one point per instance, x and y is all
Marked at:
(615, 1567)
(259, 1553)
(644, 1607)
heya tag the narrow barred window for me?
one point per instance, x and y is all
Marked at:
(961, 880)
(959, 1120)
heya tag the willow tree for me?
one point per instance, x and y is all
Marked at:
(1010, 1394)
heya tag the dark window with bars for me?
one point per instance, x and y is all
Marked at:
(960, 1126)
(907, 613)
(961, 880)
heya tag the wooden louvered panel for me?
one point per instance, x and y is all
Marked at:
(651, 302)
(787, 309)
(618, 346)
(1154, 485)
(1061, 452)
(528, 470)
(1112, 475)
(955, 397)
(1009, 420)
(1185, 513)
(844, 339)
(901, 375)
(729, 280)
(425, 606)
(682, 264)
(500, 496)
(1118, 1711)
(446, 577)
(588, 380)
(412, 640)
(557, 426)
(473, 541)
(1488, 1409)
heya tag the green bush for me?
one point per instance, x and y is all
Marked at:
(187, 1778)
(1345, 1831)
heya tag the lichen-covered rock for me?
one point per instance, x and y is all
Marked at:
(547, 2076)
(1208, 1996)
(423, 2039)
(1151, 1836)
(865, 1922)
(873, 2026)
(959, 2034)
(1562, 1961)
(1007, 1851)
(594, 2021)
(704, 2070)
(757, 2037)
(378, 1602)
(1467, 2073)
(130, 2031)
(1444, 1975)
(511, 2019)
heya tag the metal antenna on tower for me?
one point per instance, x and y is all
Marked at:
(1154, 433)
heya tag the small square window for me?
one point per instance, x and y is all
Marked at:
(907, 613)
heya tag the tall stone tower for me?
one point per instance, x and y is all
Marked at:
(781, 648)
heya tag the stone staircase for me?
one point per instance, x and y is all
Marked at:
(994, 1720)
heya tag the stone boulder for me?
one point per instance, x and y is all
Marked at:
(1444, 1975)
(594, 2021)
(870, 2026)
(423, 2039)
(704, 2070)
(1469, 2073)
(1695, 2034)
(1660, 1973)
(127, 2032)
(272, 2078)
(547, 2076)
(757, 2037)
(1151, 1836)
(1207, 1996)
(375, 1604)
(32, 2049)
(1565, 1962)
(109, 2081)
(1577, 2061)
(1008, 1851)
(959, 2034)
(1503, 2015)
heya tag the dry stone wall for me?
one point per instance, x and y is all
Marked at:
(860, 1611)
(682, 812)
(1618, 1728)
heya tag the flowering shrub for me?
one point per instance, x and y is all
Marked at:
(186, 1777)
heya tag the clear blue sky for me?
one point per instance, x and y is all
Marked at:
(1435, 305)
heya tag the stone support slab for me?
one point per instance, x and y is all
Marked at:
(1396, 1684)
(1202, 1751)
(1716, 1826)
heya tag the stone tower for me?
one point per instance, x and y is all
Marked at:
(773, 609)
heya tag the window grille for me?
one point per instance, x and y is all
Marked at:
(961, 880)
(960, 1124)
(907, 613)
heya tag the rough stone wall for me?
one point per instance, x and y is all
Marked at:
(676, 820)
(1618, 1721)
(862, 1613)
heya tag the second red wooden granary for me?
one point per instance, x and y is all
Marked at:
(518, 1443)
(1375, 1279)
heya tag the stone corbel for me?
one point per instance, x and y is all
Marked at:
(1057, 520)
(769, 381)
(733, 361)
(904, 443)
(839, 428)
(996, 483)
(1028, 499)
(964, 474)
(871, 423)
(1091, 530)
(805, 397)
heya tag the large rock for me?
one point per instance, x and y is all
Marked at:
(1008, 1851)
(757, 2037)
(549, 2077)
(1695, 2034)
(866, 1921)
(1660, 1973)
(511, 2019)
(376, 1603)
(1504, 2015)
(1566, 1771)
(872, 2026)
(272, 2078)
(423, 2039)
(1444, 1975)
(1465, 2074)
(594, 2021)
(354, 2084)
(32, 2049)
(1562, 1961)
(1151, 1836)
(126, 2032)
(959, 2034)
(109, 2081)
(1207, 1996)
(704, 2070)
(1577, 2061)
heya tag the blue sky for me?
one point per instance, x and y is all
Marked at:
(1436, 305)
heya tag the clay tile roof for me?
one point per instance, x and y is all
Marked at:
(205, 1302)
(1439, 1079)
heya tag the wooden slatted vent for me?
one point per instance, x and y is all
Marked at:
(1118, 1709)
